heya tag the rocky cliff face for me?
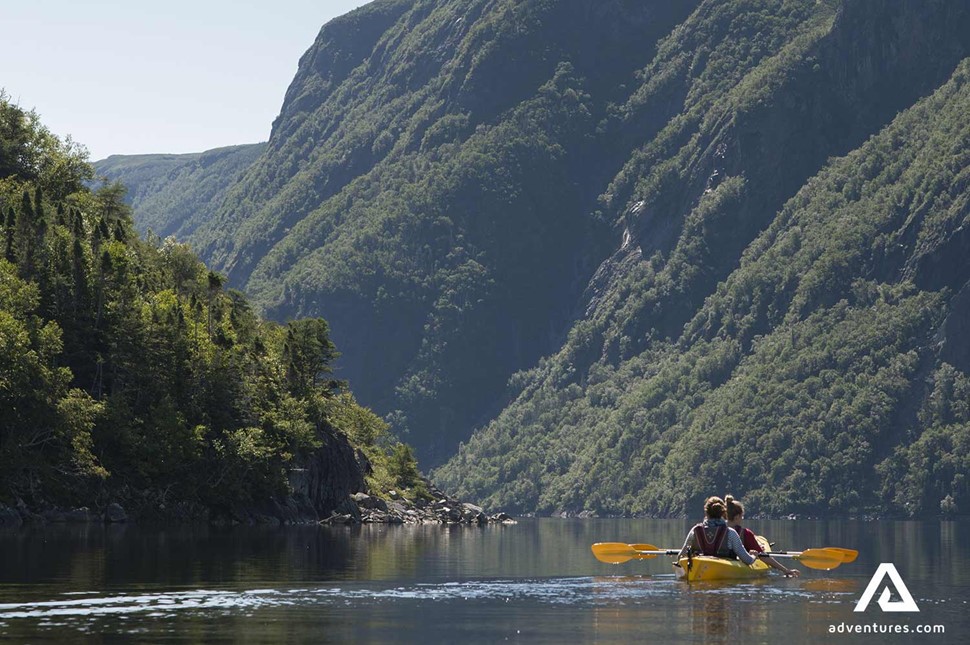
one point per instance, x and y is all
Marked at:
(333, 473)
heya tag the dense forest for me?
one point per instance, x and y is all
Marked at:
(129, 372)
(613, 256)
(177, 193)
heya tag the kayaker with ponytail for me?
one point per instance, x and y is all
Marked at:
(735, 515)
(714, 537)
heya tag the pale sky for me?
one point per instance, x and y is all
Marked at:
(132, 77)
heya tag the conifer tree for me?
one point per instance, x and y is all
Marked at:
(10, 231)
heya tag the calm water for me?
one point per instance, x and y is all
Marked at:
(536, 581)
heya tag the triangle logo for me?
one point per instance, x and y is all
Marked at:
(905, 603)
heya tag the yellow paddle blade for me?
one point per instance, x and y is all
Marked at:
(617, 552)
(847, 555)
(819, 559)
(613, 552)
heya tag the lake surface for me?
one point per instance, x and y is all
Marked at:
(535, 581)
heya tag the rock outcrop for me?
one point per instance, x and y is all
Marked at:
(361, 508)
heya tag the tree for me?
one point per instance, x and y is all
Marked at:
(307, 354)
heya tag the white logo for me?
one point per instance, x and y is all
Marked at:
(887, 569)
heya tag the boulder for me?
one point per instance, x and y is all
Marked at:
(349, 507)
(363, 500)
(115, 514)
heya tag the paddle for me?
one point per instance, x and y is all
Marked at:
(848, 555)
(835, 552)
(824, 558)
(618, 552)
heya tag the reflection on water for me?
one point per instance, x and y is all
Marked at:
(533, 581)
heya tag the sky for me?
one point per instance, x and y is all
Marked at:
(133, 77)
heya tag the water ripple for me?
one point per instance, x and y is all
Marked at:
(587, 591)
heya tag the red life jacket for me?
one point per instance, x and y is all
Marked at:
(749, 540)
(716, 545)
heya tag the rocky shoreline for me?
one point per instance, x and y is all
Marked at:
(361, 508)
(18, 515)
(356, 508)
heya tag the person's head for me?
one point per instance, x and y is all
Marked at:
(735, 509)
(714, 508)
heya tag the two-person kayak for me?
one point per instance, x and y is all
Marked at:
(704, 568)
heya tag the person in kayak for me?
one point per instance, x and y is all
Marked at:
(714, 537)
(735, 515)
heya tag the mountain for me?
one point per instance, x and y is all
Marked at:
(177, 193)
(616, 256)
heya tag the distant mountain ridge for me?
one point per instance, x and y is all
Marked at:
(176, 192)
(642, 206)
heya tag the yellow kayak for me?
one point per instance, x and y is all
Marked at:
(702, 568)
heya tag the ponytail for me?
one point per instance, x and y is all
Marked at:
(734, 507)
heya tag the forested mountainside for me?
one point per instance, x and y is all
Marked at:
(175, 194)
(129, 373)
(430, 184)
(724, 240)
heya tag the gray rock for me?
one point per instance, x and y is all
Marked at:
(452, 514)
(340, 518)
(348, 507)
(115, 514)
(364, 500)
(329, 476)
(10, 517)
(504, 518)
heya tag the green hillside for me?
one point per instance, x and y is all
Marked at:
(129, 373)
(175, 194)
(616, 256)
(826, 373)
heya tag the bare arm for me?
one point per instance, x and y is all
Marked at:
(770, 561)
(688, 544)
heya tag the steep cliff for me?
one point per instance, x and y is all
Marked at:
(795, 364)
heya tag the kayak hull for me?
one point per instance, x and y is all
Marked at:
(704, 568)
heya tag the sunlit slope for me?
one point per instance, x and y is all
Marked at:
(826, 373)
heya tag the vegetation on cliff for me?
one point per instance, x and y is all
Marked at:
(176, 194)
(129, 372)
(819, 376)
